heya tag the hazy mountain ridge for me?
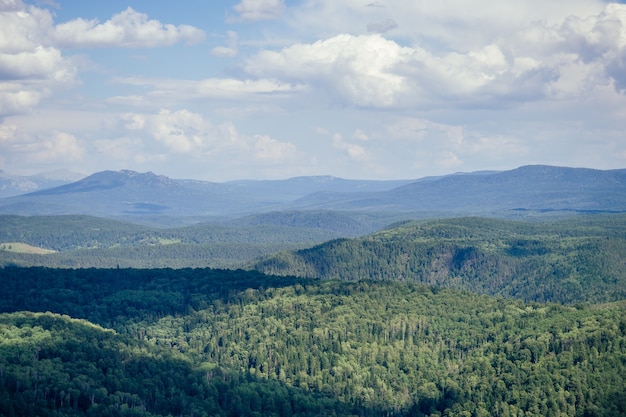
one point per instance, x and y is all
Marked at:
(534, 187)
(144, 196)
(130, 194)
(12, 185)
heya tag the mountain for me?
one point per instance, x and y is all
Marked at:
(12, 185)
(125, 193)
(136, 196)
(147, 197)
(534, 187)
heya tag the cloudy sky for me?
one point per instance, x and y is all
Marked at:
(267, 89)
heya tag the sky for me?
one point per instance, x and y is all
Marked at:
(274, 89)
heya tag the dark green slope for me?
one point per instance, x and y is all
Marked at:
(53, 365)
(208, 342)
(576, 260)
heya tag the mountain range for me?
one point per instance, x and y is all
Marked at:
(11, 185)
(145, 197)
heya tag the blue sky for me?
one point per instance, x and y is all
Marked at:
(266, 89)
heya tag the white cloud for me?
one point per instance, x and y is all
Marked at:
(23, 28)
(126, 149)
(181, 131)
(164, 91)
(59, 146)
(357, 68)
(18, 98)
(40, 63)
(32, 66)
(22, 148)
(188, 133)
(354, 151)
(539, 61)
(360, 135)
(129, 29)
(269, 149)
(231, 49)
(251, 10)
(453, 25)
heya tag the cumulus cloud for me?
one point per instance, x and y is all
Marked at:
(442, 147)
(39, 63)
(353, 150)
(49, 148)
(250, 10)
(453, 25)
(32, 66)
(59, 146)
(188, 133)
(357, 68)
(269, 149)
(17, 98)
(129, 29)
(540, 61)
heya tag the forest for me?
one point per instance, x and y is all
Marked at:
(76, 241)
(581, 259)
(442, 317)
(231, 342)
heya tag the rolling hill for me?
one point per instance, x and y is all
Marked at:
(579, 259)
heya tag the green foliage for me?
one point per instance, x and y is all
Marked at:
(56, 366)
(221, 342)
(91, 242)
(567, 261)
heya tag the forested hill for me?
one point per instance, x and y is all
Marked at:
(234, 343)
(86, 241)
(582, 259)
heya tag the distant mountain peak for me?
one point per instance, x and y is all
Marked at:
(325, 178)
(316, 178)
(60, 175)
(106, 180)
(127, 174)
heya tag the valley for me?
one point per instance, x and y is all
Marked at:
(444, 296)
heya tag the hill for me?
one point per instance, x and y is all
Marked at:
(567, 261)
(226, 343)
(86, 241)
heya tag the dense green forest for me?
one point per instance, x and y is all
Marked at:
(449, 317)
(566, 261)
(207, 342)
(84, 241)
